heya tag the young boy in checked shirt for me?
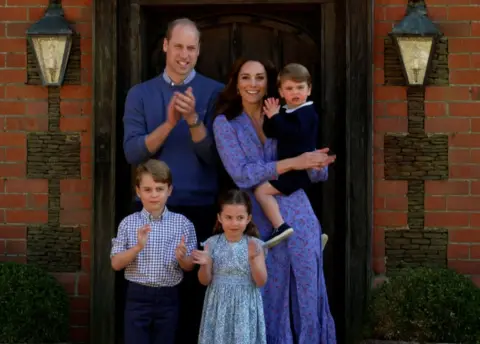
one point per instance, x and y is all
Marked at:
(153, 246)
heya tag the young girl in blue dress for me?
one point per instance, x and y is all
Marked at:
(232, 265)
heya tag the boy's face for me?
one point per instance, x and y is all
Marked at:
(152, 194)
(294, 93)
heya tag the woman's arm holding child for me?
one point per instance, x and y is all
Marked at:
(256, 259)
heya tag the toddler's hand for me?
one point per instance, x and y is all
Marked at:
(271, 107)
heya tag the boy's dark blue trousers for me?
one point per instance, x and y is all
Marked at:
(151, 314)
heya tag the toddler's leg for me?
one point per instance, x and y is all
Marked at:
(264, 194)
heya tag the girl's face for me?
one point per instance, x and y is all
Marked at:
(252, 82)
(234, 219)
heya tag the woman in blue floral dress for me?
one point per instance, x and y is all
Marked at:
(295, 298)
(232, 265)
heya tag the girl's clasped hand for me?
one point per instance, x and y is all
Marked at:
(202, 257)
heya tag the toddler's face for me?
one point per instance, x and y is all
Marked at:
(295, 93)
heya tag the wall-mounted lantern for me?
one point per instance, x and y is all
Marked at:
(415, 37)
(51, 40)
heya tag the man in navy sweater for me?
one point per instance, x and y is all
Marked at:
(170, 118)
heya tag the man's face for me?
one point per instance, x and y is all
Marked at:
(182, 51)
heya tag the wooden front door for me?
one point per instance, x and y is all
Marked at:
(289, 36)
(330, 37)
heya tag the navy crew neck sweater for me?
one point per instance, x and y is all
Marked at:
(193, 165)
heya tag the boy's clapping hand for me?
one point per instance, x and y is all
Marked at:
(142, 235)
(184, 260)
(181, 250)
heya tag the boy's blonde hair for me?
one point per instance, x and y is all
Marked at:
(295, 72)
(159, 171)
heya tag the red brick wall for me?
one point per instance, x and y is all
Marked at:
(23, 108)
(452, 110)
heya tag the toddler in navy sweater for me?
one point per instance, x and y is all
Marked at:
(295, 128)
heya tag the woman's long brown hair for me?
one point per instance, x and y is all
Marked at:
(229, 101)
(237, 197)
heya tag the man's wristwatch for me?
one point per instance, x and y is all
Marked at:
(195, 123)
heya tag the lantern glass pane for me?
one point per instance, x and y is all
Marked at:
(415, 52)
(50, 51)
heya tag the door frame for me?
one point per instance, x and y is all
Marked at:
(347, 27)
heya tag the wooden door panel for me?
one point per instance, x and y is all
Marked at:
(257, 41)
(215, 57)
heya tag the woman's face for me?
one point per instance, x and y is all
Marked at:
(252, 82)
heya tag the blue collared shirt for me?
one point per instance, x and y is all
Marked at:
(184, 82)
(156, 265)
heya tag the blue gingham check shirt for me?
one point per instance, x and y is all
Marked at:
(155, 265)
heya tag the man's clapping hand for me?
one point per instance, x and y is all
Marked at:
(185, 105)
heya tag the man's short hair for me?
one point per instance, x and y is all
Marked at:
(181, 22)
(159, 171)
(295, 72)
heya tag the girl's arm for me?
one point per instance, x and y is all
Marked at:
(256, 259)
(205, 260)
(259, 269)
(205, 273)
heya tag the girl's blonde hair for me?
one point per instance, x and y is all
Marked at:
(237, 197)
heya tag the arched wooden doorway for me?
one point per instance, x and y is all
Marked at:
(226, 37)
(331, 37)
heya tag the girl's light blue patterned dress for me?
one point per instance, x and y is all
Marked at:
(233, 308)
